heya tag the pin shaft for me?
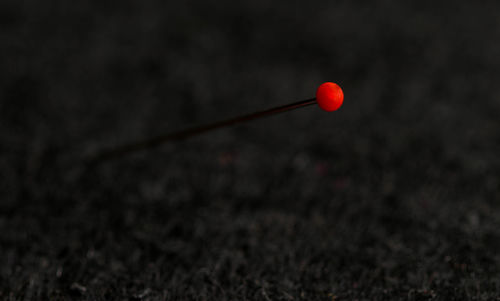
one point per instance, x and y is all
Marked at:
(119, 151)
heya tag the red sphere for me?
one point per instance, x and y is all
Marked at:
(329, 96)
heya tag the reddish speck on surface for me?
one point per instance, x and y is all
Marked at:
(321, 168)
(226, 158)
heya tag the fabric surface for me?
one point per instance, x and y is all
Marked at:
(394, 196)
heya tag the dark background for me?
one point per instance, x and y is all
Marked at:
(394, 196)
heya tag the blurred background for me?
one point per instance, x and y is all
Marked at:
(394, 196)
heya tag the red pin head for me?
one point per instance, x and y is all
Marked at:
(329, 96)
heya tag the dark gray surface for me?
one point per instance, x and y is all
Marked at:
(395, 196)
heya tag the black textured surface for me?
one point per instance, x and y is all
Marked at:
(395, 196)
